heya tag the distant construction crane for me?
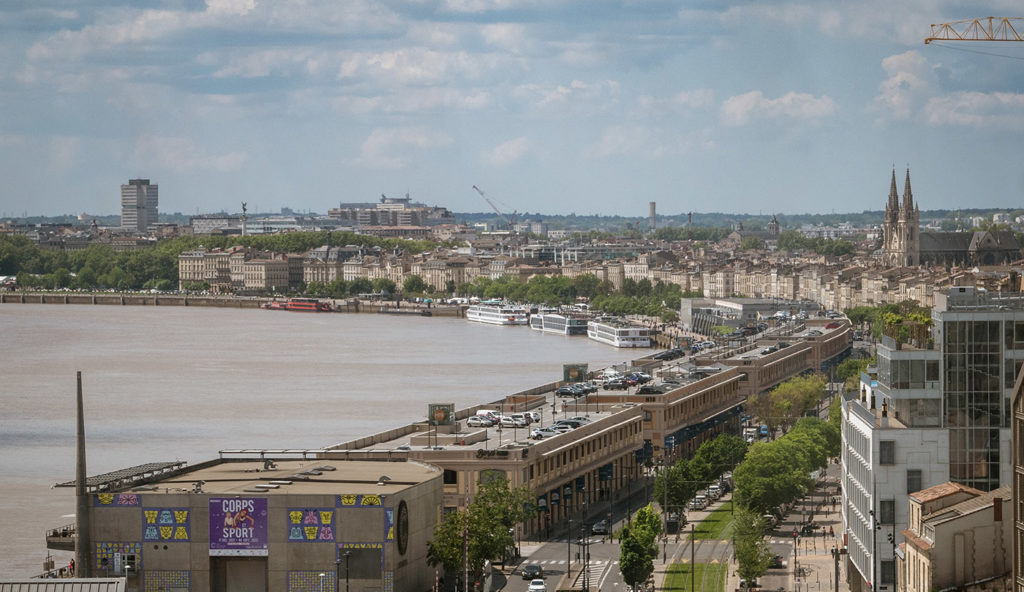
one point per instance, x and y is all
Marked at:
(508, 219)
(990, 28)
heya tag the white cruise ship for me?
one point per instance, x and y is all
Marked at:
(618, 332)
(497, 314)
(559, 323)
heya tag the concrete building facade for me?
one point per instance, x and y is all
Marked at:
(139, 201)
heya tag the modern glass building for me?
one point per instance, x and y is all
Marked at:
(936, 410)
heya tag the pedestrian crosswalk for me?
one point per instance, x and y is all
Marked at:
(593, 562)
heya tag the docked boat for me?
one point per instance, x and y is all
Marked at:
(618, 332)
(308, 305)
(274, 305)
(559, 323)
(497, 314)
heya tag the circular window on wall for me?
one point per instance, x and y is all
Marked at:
(402, 527)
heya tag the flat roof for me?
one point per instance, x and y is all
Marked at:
(299, 476)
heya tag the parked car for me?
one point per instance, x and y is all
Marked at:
(532, 571)
(479, 421)
(618, 384)
(526, 419)
(511, 422)
(580, 418)
(567, 390)
(776, 562)
(832, 325)
(541, 433)
(537, 586)
(569, 423)
(600, 527)
(535, 416)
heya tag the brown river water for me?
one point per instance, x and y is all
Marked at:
(172, 383)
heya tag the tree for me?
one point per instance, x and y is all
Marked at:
(640, 546)
(384, 286)
(486, 525)
(751, 243)
(752, 552)
(772, 474)
(360, 286)
(414, 284)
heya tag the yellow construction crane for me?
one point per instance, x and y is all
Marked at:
(990, 28)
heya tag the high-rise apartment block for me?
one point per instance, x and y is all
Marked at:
(938, 410)
(138, 205)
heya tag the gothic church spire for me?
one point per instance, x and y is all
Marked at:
(908, 196)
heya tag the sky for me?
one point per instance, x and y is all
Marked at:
(550, 106)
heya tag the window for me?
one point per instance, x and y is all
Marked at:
(888, 574)
(887, 511)
(450, 477)
(887, 452)
(913, 480)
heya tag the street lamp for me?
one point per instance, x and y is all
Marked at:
(322, 576)
(346, 556)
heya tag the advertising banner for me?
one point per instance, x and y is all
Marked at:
(575, 372)
(238, 526)
(439, 414)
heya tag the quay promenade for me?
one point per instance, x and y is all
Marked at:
(163, 299)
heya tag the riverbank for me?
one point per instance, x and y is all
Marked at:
(154, 299)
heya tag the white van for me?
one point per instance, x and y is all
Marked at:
(714, 492)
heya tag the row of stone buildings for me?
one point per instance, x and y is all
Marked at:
(839, 284)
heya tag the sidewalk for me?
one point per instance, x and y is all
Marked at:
(813, 567)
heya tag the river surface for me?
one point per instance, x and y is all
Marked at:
(174, 383)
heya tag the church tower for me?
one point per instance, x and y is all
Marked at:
(773, 227)
(901, 229)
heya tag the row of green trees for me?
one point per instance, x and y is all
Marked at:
(659, 299)
(684, 478)
(778, 472)
(781, 407)
(100, 266)
(885, 317)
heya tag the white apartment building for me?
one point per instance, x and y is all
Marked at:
(937, 410)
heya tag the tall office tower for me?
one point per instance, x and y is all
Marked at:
(138, 205)
(937, 410)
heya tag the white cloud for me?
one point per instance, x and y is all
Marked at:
(230, 7)
(645, 141)
(573, 94)
(910, 82)
(416, 100)
(510, 37)
(978, 110)
(392, 148)
(682, 101)
(418, 66)
(741, 109)
(64, 153)
(506, 153)
(180, 154)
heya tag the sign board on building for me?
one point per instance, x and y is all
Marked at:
(439, 414)
(238, 526)
(575, 372)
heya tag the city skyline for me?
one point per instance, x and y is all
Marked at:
(555, 107)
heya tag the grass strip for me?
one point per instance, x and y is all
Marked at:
(717, 526)
(708, 577)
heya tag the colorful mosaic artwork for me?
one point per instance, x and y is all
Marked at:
(103, 555)
(389, 517)
(362, 546)
(166, 580)
(166, 524)
(312, 525)
(359, 501)
(310, 581)
(116, 500)
(389, 581)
